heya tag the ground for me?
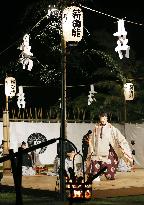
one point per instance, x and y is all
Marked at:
(125, 184)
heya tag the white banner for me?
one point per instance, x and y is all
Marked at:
(33, 133)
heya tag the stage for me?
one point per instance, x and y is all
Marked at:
(126, 183)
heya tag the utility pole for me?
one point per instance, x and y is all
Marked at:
(63, 131)
(72, 30)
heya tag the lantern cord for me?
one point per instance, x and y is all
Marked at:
(99, 12)
(38, 23)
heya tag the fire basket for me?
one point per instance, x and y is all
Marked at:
(77, 188)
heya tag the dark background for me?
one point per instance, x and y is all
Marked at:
(13, 12)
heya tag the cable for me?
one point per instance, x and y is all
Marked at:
(99, 12)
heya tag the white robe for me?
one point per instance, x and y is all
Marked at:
(99, 147)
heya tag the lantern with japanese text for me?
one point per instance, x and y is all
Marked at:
(129, 91)
(10, 86)
(72, 23)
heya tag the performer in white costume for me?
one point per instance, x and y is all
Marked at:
(106, 147)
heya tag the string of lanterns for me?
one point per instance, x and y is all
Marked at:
(10, 91)
(72, 28)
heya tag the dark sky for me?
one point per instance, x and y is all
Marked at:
(11, 11)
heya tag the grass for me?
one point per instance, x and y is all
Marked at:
(42, 197)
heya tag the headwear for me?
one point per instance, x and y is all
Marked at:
(103, 114)
(89, 132)
(23, 143)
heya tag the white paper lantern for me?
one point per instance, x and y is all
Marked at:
(10, 86)
(129, 91)
(72, 23)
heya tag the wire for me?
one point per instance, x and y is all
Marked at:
(99, 12)
(21, 37)
(8, 47)
(38, 23)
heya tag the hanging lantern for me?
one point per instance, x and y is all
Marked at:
(129, 91)
(72, 23)
(10, 86)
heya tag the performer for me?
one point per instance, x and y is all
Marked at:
(85, 144)
(27, 167)
(106, 147)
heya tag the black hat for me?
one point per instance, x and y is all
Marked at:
(103, 114)
(89, 132)
(23, 143)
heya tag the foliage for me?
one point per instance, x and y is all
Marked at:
(91, 61)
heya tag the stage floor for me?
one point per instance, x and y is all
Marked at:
(126, 183)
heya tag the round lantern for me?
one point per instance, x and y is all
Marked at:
(72, 23)
(10, 86)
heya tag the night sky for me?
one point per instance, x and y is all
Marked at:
(11, 13)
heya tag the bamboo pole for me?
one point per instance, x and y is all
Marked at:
(6, 138)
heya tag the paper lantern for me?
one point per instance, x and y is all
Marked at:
(129, 91)
(72, 23)
(10, 86)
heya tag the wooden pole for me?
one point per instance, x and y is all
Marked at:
(6, 138)
(63, 122)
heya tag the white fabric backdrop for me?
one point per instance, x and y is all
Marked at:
(20, 131)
